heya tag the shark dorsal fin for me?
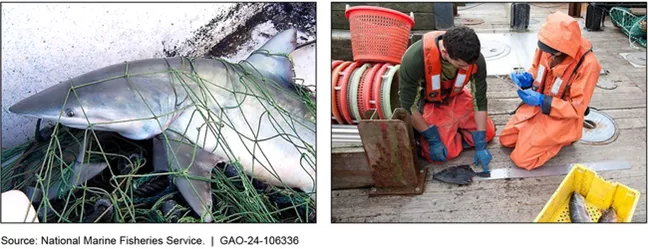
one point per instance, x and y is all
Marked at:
(272, 61)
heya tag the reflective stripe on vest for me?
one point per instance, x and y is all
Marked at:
(541, 73)
(432, 60)
(558, 87)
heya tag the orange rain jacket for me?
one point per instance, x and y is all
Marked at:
(538, 133)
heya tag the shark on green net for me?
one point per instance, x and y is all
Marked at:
(199, 112)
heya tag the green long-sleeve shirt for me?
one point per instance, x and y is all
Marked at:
(412, 78)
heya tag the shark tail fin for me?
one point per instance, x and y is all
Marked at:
(272, 60)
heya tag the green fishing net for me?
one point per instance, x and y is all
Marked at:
(127, 188)
(631, 25)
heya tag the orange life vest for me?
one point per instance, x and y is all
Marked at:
(435, 89)
(559, 86)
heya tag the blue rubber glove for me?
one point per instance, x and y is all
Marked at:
(531, 97)
(438, 151)
(482, 154)
(523, 80)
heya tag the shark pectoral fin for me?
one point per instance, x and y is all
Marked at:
(272, 60)
(81, 173)
(84, 172)
(196, 164)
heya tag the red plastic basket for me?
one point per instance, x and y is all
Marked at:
(378, 34)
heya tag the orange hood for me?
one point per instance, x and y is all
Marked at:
(561, 32)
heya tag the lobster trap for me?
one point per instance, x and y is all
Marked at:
(631, 25)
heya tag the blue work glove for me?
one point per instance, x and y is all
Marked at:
(523, 80)
(531, 97)
(438, 151)
(482, 154)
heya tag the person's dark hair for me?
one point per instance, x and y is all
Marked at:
(462, 43)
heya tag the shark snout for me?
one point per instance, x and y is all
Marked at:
(15, 110)
(44, 104)
(24, 107)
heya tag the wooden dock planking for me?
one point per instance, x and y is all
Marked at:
(446, 203)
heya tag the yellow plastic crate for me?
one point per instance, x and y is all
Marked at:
(599, 195)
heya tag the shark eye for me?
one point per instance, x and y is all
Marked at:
(69, 112)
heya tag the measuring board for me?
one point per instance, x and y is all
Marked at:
(553, 170)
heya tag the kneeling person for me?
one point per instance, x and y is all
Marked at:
(556, 94)
(434, 72)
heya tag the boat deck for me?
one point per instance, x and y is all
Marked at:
(521, 199)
